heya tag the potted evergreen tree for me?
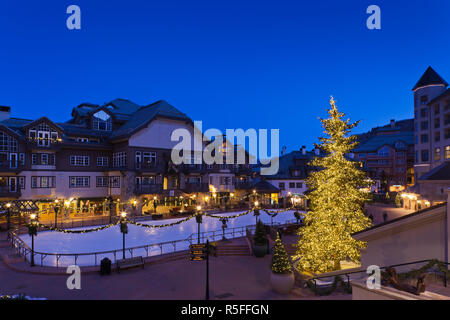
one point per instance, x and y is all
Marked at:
(282, 278)
(260, 240)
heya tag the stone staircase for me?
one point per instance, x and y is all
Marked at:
(290, 248)
(232, 250)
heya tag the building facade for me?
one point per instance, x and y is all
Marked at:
(387, 155)
(291, 178)
(431, 121)
(108, 158)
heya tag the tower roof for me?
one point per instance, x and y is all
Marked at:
(430, 77)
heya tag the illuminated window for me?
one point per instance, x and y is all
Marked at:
(437, 154)
(447, 152)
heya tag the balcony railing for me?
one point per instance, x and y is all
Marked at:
(148, 189)
(145, 165)
(44, 142)
(196, 187)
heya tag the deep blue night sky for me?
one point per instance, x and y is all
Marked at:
(232, 64)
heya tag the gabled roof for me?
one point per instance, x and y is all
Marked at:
(430, 77)
(264, 186)
(441, 172)
(42, 119)
(145, 115)
(376, 142)
(122, 106)
(122, 109)
(74, 129)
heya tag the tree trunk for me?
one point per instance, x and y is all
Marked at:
(337, 265)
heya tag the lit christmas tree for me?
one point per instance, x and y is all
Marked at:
(280, 259)
(336, 201)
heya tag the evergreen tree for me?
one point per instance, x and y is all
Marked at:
(260, 234)
(280, 258)
(336, 201)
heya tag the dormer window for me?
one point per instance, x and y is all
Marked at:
(101, 121)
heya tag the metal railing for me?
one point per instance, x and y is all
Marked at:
(147, 250)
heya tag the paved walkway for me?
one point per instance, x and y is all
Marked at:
(392, 212)
(231, 277)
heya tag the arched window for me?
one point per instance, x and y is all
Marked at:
(384, 152)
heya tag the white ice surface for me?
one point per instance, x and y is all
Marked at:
(111, 239)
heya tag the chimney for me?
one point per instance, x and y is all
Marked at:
(303, 150)
(4, 112)
(392, 123)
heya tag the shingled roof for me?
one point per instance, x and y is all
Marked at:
(146, 114)
(430, 77)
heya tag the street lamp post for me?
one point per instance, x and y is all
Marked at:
(124, 230)
(56, 209)
(32, 231)
(256, 211)
(110, 205)
(154, 203)
(224, 226)
(198, 218)
(8, 217)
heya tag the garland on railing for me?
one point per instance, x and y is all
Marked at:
(280, 211)
(231, 217)
(160, 225)
(414, 273)
(273, 215)
(77, 231)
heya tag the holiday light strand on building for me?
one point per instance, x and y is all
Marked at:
(269, 212)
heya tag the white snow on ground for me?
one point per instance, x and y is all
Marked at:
(111, 239)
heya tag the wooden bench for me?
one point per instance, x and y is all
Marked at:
(130, 263)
